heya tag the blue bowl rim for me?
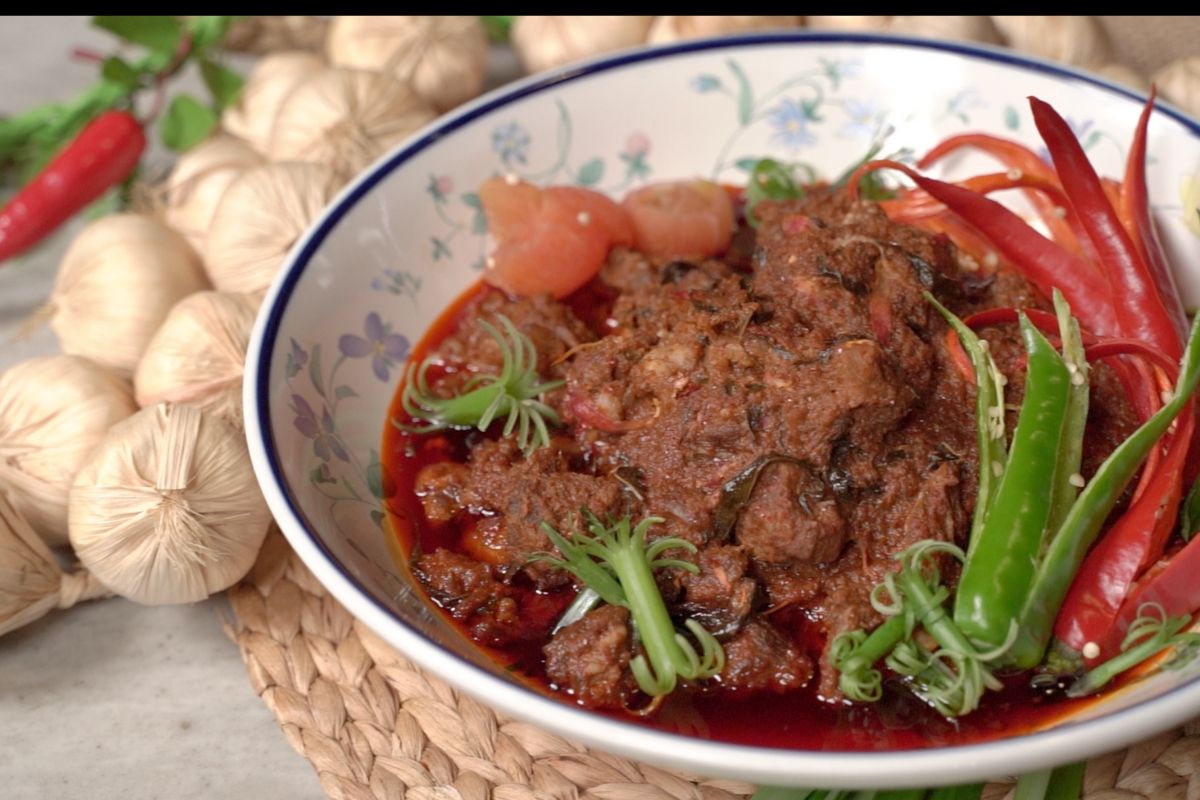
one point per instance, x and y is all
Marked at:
(835, 769)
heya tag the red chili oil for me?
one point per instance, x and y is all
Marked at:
(797, 720)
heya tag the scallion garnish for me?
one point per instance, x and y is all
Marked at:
(512, 394)
(616, 562)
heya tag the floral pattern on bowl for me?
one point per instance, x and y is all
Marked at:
(409, 237)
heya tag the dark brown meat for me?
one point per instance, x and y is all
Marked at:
(721, 595)
(589, 658)
(761, 659)
(466, 588)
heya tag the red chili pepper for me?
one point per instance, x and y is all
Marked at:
(1043, 262)
(101, 156)
(1171, 583)
(1141, 311)
(1014, 155)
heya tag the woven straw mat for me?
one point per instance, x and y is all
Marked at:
(375, 727)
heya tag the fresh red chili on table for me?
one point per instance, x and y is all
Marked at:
(103, 154)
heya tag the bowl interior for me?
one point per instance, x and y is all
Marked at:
(408, 237)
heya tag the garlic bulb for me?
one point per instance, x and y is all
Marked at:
(167, 510)
(676, 28)
(545, 42)
(115, 285)
(259, 218)
(1077, 40)
(848, 23)
(273, 78)
(53, 412)
(1126, 76)
(199, 354)
(200, 177)
(1179, 83)
(346, 118)
(443, 58)
(952, 28)
(31, 582)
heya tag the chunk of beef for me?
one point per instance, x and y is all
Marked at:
(466, 588)
(590, 658)
(440, 487)
(758, 658)
(721, 595)
(792, 516)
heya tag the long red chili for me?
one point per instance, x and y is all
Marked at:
(1171, 583)
(1043, 262)
(1141, 312)
(101, 156)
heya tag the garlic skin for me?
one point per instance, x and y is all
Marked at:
(952, 28)
(200, 177)
(260, 216)
(848, 23)
(346, 118)
(443, 58)
(199, 354)
(253, 115)
(1126, 76)
(54, 411)
(1179, 83)
(678, 28)
(115, 285)
(31, 582)
(1076, 40)
(167, 510)
(544, 42)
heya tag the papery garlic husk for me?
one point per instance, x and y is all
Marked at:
(1126, 76)
(167, 510)
(31, 582)
(1179, 83)
(200, 177)
(115, 285)
(544, 42)
(444, 58)
(270, 34)
(260, 216)
(951, 28)
(346, 118)
(54, 411)
(677, 28)
(848, 23)
(199, 354)
(1077, 40)
(273, 78)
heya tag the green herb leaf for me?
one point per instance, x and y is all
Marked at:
(1189, 514)
(222, 82)
(155, 32)
(186, 123)
(119, 71)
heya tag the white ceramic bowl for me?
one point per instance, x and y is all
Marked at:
(407, 237)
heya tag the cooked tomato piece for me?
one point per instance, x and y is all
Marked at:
(549, 240)
(681, 219)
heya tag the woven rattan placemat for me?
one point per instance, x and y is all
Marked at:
(375, 727)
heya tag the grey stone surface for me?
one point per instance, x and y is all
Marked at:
(112, 699)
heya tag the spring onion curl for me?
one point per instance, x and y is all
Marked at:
(512, 394)
(1151, 633)
(615, 561)
(952, 678)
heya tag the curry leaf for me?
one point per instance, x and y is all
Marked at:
(119, 71)
(222, 82)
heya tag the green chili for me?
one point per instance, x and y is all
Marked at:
(997, 575)
(1082, 524)
(1070, 447)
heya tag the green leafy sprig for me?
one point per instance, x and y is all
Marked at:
(616, 562)
(512, 395)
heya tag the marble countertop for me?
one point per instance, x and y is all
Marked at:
(111, 699)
